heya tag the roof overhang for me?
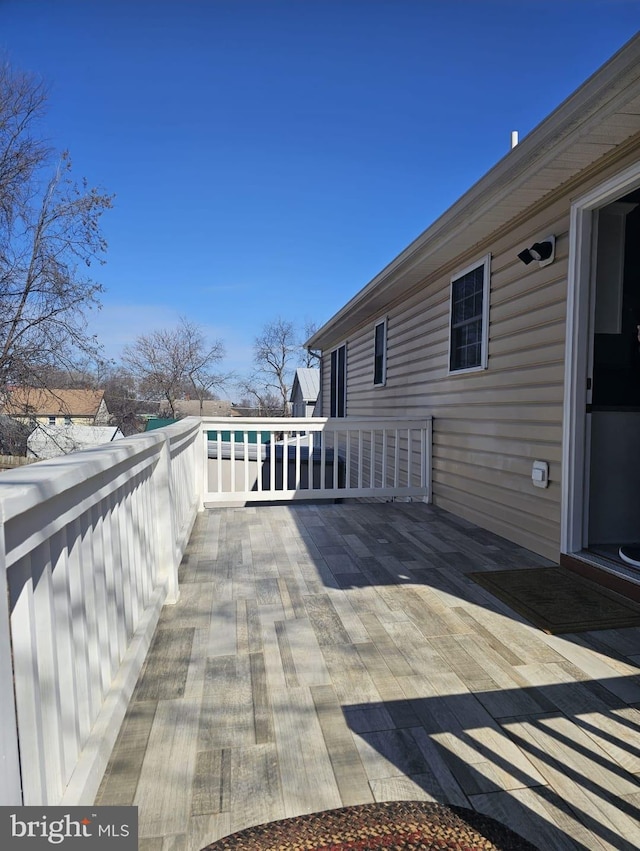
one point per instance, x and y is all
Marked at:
(601, 116)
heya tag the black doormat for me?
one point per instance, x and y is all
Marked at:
(408, 825)
(557, 600)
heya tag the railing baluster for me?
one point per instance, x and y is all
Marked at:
(272, 461)
(50, 706)
(219, 460)
(245, 436)
(372, 461)
(385, 449)
(27, 685)
(285, 461)
(232, 442)
(396, 476)
(68, 669)
(347, 460)
(323, 460)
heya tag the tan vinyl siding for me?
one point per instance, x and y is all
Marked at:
(489, 426)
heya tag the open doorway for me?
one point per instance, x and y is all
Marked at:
(600, 494)
(612, 474)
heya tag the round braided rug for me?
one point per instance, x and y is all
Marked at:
(406, 825)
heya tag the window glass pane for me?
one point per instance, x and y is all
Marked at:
(378, 363)
(338, 381)
(342, 381)
(334, 379)
(467, 297)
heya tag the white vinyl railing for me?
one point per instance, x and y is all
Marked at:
(261, 460)
(90, 545)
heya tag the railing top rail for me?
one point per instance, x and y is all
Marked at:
(310, 423)
(23, 488)
(181, 428)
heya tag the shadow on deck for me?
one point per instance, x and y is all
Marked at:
(328, 655)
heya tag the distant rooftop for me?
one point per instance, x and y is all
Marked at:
(308, 379)
(43, 402)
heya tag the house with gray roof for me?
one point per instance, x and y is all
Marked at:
(304, 392)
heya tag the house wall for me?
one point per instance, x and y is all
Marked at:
(102, 415)
(299, 406)
(60, 420)
(489, 426)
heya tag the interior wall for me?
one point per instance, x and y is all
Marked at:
(614, 492)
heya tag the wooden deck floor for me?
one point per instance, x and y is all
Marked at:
(322, 656)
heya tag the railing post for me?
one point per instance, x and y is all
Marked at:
(10, 784)
(166, 522)
(201, 469)
(428, 446)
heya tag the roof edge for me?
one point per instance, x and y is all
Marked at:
(533, 151)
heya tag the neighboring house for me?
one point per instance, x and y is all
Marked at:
(210, 408)
(304, 392)
(530, 367)
(47, 441)
(57, 407)
(191, 408)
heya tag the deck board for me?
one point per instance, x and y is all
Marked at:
(329, 655)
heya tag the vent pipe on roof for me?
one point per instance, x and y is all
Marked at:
(514, 138)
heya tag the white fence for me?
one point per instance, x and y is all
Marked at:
(89, 550)
(260, 460)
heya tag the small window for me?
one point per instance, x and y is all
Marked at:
(380, 352)
(339, 381)
(52, 420)
(469, 318)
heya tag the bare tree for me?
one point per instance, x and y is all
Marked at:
(173, 363)
(276, 353)
(84, 375)
(48, 232)
(13, 436)
(123, 401)
(22, 102)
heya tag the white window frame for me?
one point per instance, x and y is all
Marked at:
(384, 323)
(334, 403)
(485, 262)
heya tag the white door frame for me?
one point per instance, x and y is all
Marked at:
(575, 439)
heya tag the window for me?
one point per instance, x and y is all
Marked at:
(339, 381)
(380, 352)
(469, 318)
(52, 420)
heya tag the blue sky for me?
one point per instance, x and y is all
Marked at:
(269, 157)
